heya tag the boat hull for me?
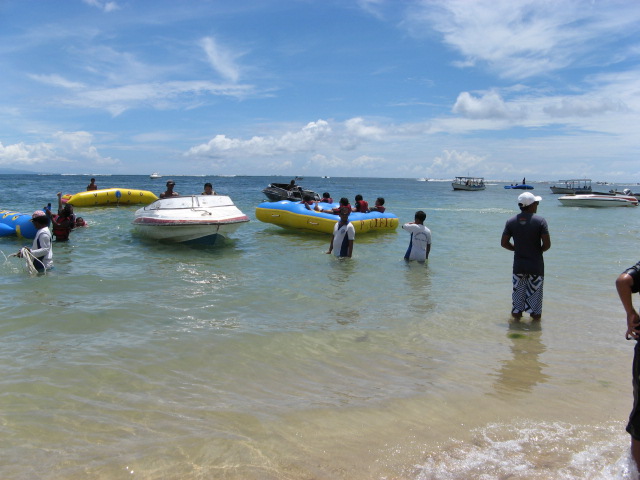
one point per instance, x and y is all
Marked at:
(599, 201)
(519, 187)
(110, 196)
(292, 215)
(202, 219)
(468, 188)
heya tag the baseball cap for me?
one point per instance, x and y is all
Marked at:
(38, 214)
(170, 182)
(527, 198)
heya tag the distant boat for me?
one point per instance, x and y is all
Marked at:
(572, 186)
(469, 184)
(155, 175)
(522, 186)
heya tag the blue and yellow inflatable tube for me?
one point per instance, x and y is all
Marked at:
(288, 214)
(110, 196)
(14, 223)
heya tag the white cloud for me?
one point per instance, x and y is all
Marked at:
(524, 38)
(452, 162)
(102, 5)
(221, 59)
(57, 81)
(488, 106)
(65, 147)
(162, 96)
(304, 140)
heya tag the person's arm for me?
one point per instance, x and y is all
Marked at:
(331, 245)
(624, 283)
(59, 201)
(428, 249)
(546, 242)
(505, 242)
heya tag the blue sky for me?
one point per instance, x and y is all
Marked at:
(379, 88)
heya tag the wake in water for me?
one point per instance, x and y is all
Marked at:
(535, 451)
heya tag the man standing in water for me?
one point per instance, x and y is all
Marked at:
(530, 234)
(627, 283)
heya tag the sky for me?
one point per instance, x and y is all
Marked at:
(502, 89)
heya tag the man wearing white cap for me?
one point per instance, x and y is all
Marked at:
(530, 234)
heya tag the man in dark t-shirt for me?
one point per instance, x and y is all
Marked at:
(530, 234)
(628, 282)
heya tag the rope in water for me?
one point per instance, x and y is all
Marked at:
(28, 257)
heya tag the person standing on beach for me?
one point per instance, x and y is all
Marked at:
(628, 282)
(530, 234)
(343, 234)
(420, 242)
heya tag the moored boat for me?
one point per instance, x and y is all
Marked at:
(155, 175)
(521, 186)
(203, 219)
(110, 196)
(572, 186)
(286, 191)
(598, 200)
(468, 183)
(294, 215)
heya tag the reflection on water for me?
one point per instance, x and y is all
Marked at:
(418, 287)
(523, 370)
(338, 278)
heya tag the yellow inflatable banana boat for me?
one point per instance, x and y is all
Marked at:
(110, 196)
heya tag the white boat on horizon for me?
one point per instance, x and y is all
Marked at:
(202, 219)
(598, 200)
(155, 175)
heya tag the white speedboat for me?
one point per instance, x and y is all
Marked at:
(205, 219)
(599, 200)
(155, 175)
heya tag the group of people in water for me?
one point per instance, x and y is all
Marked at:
(341, 244)
(361, 205)
(62, 224)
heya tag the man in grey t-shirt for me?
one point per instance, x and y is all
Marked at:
(530, 234)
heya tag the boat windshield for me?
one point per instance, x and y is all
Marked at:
(191, 201)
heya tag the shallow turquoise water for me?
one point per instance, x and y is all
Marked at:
(267, 358)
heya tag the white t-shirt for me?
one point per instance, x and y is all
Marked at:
(341, 237)
(420, 238)
(41, 247)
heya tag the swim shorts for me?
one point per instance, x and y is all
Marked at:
(527, 293)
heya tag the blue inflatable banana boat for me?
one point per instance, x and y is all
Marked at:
(14, 223)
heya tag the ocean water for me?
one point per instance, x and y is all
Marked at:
(268, 359)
